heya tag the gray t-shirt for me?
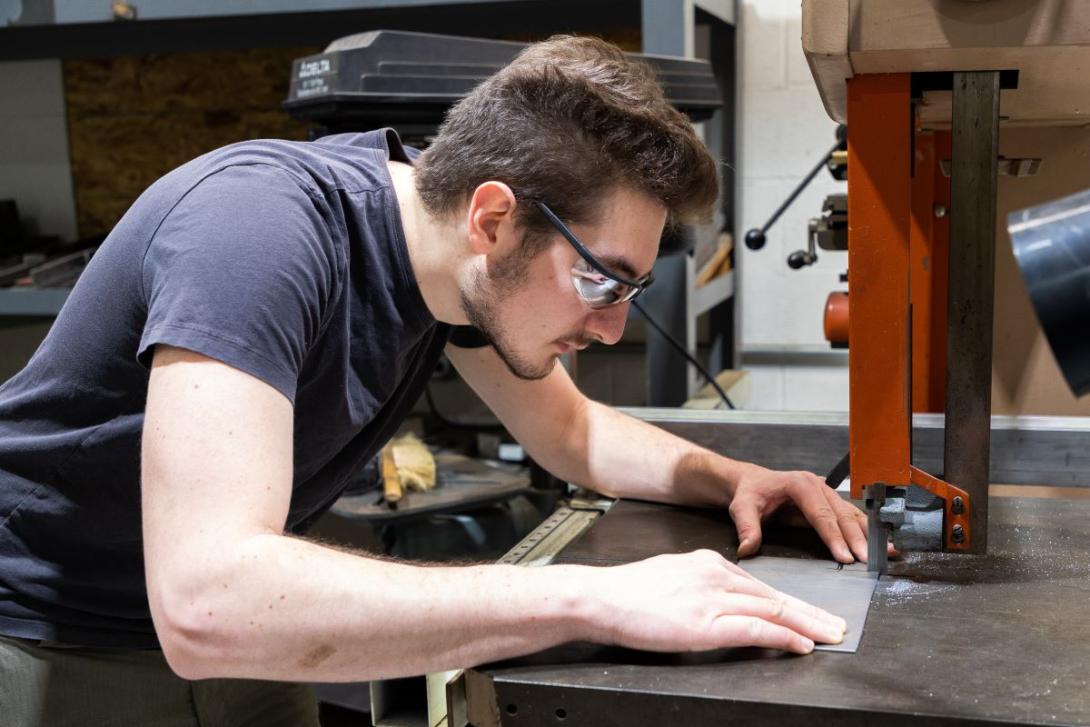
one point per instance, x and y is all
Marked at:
(286, 260)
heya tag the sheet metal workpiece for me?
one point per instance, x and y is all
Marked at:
(951, 640)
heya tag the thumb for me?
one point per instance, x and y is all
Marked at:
(747, 520)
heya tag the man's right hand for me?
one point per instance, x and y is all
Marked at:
(700, 600)
(232, 596)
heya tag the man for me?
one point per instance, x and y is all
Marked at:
(252, 332)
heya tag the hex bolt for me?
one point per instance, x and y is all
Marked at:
(958, 506)
(959, 534)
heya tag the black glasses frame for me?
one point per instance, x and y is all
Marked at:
(640, 285)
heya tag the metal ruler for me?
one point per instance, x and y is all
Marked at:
(554, 534)
(447, 690)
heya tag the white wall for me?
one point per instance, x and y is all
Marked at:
(34, 165)
(783, 131)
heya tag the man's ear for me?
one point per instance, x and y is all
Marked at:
(490, 219)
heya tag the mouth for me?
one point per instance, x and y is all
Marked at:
(568, 346)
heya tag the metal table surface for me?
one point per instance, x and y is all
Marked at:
(950, 639)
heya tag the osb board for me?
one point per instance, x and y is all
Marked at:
(132, 119)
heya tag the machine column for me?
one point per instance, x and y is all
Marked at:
(930, 242)
(971, 290)
(879, 200)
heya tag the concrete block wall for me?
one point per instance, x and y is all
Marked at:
(34, 163)
(783, 131)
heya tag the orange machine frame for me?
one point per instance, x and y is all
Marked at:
(897, 264)
(929, 246)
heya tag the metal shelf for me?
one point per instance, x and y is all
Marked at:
(79, 29)
(712, 293)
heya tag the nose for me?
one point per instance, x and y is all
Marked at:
(607, 324)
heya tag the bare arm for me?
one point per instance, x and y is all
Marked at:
(232, 596)
(598, 447)
(582, 441)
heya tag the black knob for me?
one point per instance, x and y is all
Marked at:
(798, 259)
(755, 239)
(841, 133)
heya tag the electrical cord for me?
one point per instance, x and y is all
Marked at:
(488, 426)
(674, 342)
(840, 471)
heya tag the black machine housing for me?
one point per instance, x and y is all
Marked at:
(409, 80)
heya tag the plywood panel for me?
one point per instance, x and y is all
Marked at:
(1048, 41)
(132, 119)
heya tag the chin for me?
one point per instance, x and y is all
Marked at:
(483, 314)
(526, 368)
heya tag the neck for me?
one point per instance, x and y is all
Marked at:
(435, 251)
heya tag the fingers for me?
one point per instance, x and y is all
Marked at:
(840, 525)
(861, 521)
(816, 507)
(853, 525)
(735, 579)
(786, 612)
(699, 600)
(746, 513)
(750, 586)
(861, 517)
(730, 630)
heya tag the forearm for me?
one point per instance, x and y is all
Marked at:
(621, 456)
(281, 608)
(590, 444)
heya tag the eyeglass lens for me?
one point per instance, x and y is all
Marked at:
(598, 290)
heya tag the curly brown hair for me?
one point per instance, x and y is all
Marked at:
(569, 119)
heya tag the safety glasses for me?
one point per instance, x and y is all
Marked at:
(594, 283)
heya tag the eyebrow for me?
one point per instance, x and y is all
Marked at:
(619, 264)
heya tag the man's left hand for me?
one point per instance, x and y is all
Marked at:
(759, 492)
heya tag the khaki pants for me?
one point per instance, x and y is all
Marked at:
(49, 686)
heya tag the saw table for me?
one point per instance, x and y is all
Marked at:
(951, 639)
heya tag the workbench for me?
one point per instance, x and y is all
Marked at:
(950, 639)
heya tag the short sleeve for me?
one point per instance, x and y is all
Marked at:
(242, 270)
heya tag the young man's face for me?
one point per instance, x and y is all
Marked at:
(530, 309)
